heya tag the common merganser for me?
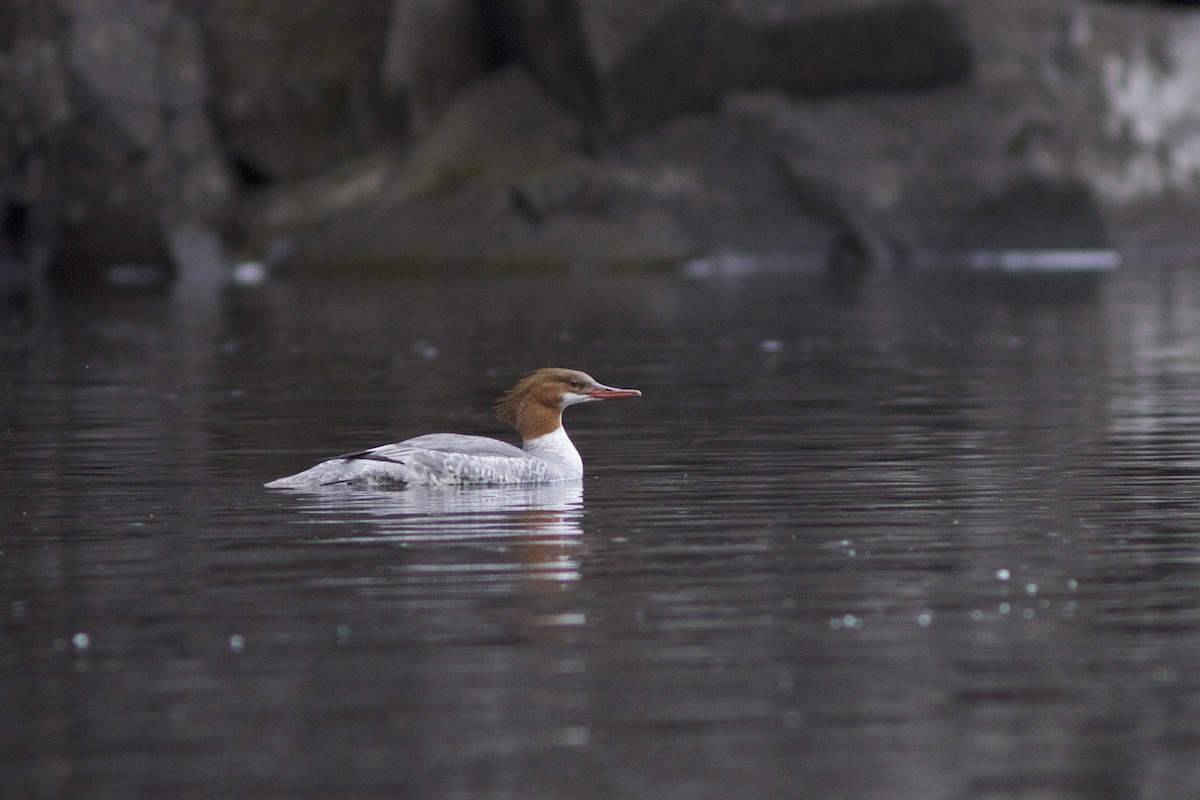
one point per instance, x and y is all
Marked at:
(534, 407)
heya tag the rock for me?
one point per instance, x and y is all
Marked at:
(499, 128)
(112, 47)
(34, 103)
(467, 194)
(387, 133)
(862, 243)
(628, 65)
(297, 82)
(1032, 214)
(817, 47)
(107, 138)
(504, 178)
(434, 48)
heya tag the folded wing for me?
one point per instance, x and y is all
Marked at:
(433, 459)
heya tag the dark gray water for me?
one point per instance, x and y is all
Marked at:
(934, 544)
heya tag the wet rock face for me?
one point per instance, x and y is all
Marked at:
(632, 64)
(297, 82)
(451, 132)
(124, 121)
(107, 140)
(33, 102)
(434, 49)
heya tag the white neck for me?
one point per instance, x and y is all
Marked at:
(556, 448)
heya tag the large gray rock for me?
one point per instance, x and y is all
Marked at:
(372, 133)
(769, 174)
(433, 49)
(1109, 92)
(35, 102)
(125, 124)
(297, 82)
(107, 143)
(628, 65)
(504, 178)
(473, 191)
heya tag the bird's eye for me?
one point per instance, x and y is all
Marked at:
(575, 383)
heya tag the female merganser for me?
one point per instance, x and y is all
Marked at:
(534, 407)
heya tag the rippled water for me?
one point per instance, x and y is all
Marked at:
(935, 543)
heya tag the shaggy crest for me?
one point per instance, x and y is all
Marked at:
(532, 405)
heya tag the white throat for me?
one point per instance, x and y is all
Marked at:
(556, 448)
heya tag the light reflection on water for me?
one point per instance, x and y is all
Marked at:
(528, 533)
(928, 545)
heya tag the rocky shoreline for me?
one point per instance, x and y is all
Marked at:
(449, 134)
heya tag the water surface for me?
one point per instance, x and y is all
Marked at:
(935, 543)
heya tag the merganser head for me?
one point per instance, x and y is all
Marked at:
(535, 405)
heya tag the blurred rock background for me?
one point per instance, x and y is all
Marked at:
(452, 134)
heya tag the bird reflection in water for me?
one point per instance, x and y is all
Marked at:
(539, 522)
(469, 553)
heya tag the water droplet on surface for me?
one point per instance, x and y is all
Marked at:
(81, 641)
(845, 621)
(925, 618)
(1162, 674)
(792, 718)
(249, 273)
(237, 643)
(425, 350)
(1003, 574)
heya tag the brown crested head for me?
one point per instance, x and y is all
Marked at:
(535, 404)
